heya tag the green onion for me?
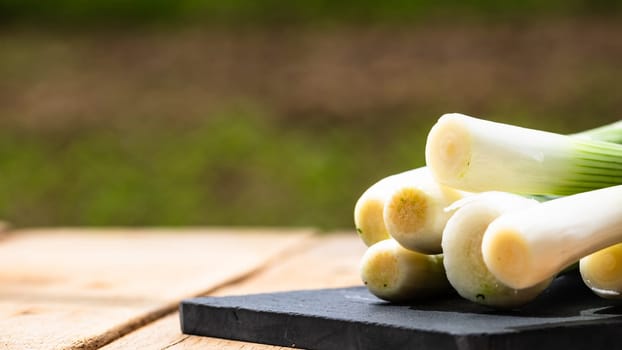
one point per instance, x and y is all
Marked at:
(463, 261)
(602, 272)
(369, 208)
(410, 206)
(609, 133)
(415, 215)
(394, 273)
(525, 247)
(477, 155)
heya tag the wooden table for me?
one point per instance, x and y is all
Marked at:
(120, 288)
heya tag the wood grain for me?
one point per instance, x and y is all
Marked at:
(326, 262)
(82, 288)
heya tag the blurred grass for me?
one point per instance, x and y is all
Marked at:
(236, 168)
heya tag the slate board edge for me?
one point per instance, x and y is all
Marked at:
(582, 336)
(344, 334)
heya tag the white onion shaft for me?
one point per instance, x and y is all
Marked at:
(394, 273)
(477, 155)
(602, 272)
(462, 242)
(415, 215)
(369, 208)
(523, 248)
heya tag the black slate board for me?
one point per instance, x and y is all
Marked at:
(566, 316)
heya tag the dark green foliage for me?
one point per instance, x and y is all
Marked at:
(240, 12)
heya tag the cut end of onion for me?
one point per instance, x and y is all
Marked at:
(406, 214)
(448, 151)
(380, 269)
(369, 221)
(602, 271)
(506, 254)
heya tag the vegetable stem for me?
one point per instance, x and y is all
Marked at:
(368, 211)
(602, 272)
(415, 215)
(394, 273)
(463, 261)
(524, 247)
(608, 133)
(462, 152)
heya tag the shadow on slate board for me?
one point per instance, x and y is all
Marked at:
(566, 316)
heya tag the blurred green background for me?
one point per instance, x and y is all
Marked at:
(271, 112)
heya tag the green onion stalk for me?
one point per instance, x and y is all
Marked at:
(463, 261)
(602, 272)
(396, 274)
(476, 155)
(525, 247)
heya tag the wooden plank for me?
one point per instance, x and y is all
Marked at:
(164, 334)
(82, 288)
(329, 261)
